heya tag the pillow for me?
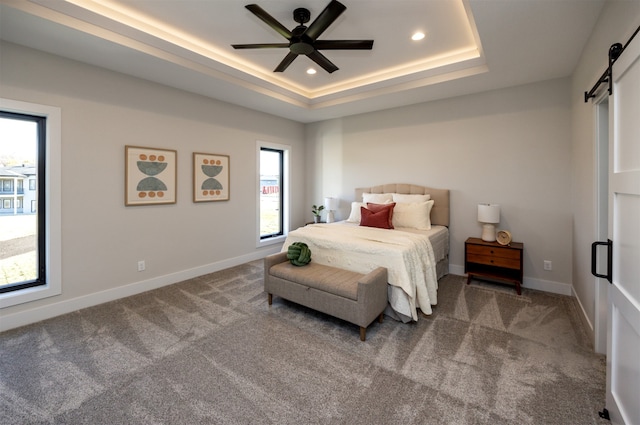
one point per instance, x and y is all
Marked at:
(354, 217)
(378, 219)
(415, 215)
(299, 254)
(377, 198)
(401, 197)
(379, 207)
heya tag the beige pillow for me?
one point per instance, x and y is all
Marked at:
(377, 198)
(401, 197)
(415, 215)
(355, 215)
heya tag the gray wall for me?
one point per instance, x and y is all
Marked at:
(529, 148)
(511, 147)
(102, 240)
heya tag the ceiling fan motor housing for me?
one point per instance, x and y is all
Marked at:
(299, 43)
(301, 15)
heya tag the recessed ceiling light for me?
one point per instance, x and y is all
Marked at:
(311, 71)
(417, 36)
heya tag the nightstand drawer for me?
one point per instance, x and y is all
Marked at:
(492, 251)
(509, 263)
(490, 260)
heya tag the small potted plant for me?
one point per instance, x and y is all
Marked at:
(316, 210)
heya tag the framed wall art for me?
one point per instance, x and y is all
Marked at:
(150, 176)
(210, 177)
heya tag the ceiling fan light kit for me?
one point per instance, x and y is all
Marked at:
(303, 40)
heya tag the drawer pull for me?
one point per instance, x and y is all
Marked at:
(491, 251)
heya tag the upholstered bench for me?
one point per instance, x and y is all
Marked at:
(355, 297)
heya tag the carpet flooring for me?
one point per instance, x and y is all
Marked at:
(211, 351)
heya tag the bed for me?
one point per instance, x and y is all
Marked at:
(415, 257)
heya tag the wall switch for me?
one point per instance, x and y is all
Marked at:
(548, 265)
(141, 266)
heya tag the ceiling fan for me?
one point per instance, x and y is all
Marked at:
(304, 40)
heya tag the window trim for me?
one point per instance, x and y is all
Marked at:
(53, 205)
(286, 153)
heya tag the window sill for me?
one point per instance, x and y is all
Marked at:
(22, 296)
(272, 241)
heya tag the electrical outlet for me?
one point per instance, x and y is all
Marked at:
(548, 265)
(141, 266)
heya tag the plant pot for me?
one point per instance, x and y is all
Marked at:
(316, 218)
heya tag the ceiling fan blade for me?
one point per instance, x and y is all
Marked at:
(260, 46)
(324, 19)
(285, 62)
(321, 60)
(343, 44)
(269, 20)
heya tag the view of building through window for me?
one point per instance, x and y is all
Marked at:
(18, 200)
(271, 208)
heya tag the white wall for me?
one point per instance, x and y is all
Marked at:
(617, 22)
(510, 146)
(102, 240)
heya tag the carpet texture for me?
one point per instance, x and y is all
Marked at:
(211, 351)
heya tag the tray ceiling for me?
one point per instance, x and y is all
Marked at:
(469, 46)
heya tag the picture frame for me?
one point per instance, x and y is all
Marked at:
(150, 176)
(211, 177)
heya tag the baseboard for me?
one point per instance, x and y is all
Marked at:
(585, 319)
(548, 286)
(26, 317)
(531, 283)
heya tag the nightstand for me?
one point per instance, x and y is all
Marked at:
(490, 260)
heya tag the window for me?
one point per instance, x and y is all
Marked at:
(272, 192)
(22, 264)
(39, 256)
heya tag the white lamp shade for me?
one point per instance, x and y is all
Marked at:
(489, 213)
(331, 203)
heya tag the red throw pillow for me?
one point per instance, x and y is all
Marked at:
(380, 207)
(380, 219)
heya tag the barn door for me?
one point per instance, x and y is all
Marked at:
(623, 339)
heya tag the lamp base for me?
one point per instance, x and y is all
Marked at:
(330, 217)
(488, 232)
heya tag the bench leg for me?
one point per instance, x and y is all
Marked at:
(269, 298)
(363, 333)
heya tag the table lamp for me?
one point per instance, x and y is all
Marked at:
(330, 204)
(489, 214)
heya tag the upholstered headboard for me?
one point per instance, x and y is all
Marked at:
(440, 210)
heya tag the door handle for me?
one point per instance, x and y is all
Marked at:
(594, 248)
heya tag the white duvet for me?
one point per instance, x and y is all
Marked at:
(407, 256)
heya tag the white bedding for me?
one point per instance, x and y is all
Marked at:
(407, 255)
(439, 238)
